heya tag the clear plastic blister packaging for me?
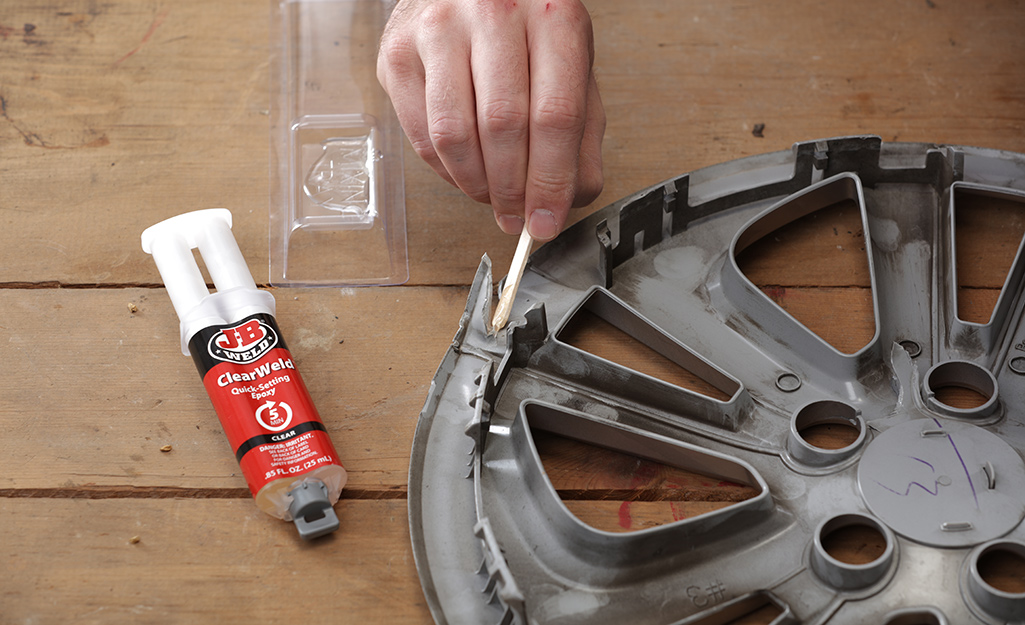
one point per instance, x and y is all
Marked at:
(337, 211)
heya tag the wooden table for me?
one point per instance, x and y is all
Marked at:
(118, 114)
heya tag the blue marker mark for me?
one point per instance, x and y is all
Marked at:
(907, 491)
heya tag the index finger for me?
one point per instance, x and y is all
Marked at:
(560, 44)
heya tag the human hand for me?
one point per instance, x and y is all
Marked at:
(499, 98)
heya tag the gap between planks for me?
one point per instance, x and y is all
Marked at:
(366, 494)
(110, 286)
(172, 492)
(55, 284)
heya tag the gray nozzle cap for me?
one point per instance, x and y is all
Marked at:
(311, 509)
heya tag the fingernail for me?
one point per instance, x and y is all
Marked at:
(510, 224)
(542, 225)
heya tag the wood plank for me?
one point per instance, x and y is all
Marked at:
(101, 389)
(843, 317)
(132, 561)
(585, 472)
(202, 561)
(824, 248)
(827, 247)
(592, 334)
(632, 516)
(618, 492)
(702, 75)
(989, 232)
(94, 391)
(158, 112)
(118, 115)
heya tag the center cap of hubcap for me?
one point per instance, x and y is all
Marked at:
(943, 483)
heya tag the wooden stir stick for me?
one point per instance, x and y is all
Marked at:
(512, 283)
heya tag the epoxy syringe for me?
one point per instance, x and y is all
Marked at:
(280, 443)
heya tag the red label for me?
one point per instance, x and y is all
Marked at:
(264, 406)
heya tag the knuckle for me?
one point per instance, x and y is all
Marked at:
(552, 188)
(450, 135)
(397, 57)
(473, 184)
(397, 48)
(573, 11)
(479, 194)
(573, 16)
(423, 148)
(503, 118)
(559, 113)
(508, 196)
(438, 16)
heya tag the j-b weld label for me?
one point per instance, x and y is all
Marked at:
(261, 401)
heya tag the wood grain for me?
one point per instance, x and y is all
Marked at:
(989, 232)
(593, 334)
(106, 144)
(184, 560)
(116, 115)
(617, 492)
(98, 390)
